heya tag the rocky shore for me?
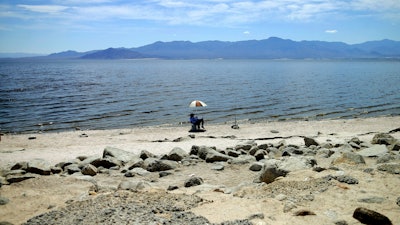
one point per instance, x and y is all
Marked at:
(287, 178)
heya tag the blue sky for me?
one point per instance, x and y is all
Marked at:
(39, 26)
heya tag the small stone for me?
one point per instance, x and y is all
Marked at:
(346, 179)
(89, 170)
(172, 187)
(341, 222)
(4, 200)
(398, 201)
(193, 181)
(370, 217)
(372, 200)
(304, 213)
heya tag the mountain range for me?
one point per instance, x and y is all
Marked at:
(271, 48)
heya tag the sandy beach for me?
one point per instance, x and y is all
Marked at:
(255, 203)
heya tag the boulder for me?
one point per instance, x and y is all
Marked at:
(260, 154)
(89, 169)
(140, 171)
(133, 163)
(310, 141)
(349, 158)
(119, 154)
(193, 181)
(176, 154)
(214, 156)
(106, 162)
(291, 164)
(19, 178)
(134, 185)
(256, 166)
(374, 151)
(270, 172)
(370, 217)
(20, 166)
(242, 159)
(154, 165)
(73, 168)
(39, 166)
(383, 139)
(393, 168)
(144, 154)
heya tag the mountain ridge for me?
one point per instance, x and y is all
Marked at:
(271, 48)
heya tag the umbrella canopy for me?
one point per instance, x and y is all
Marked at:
(197, 103)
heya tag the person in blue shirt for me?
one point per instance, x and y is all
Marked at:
(196, 121)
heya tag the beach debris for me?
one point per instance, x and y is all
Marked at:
(370, 217)
(31, 138)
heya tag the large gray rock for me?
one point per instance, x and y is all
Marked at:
(383, 139)
(310, 141)
(133, 163)
(349, 158)
(119, 154)
(177, 154)
(134, 185)
(393, 168)
(270, 172)
(153, 165)
(89, 169)
(19, 178)
(107, 162)
(193, 181)
(374, 151)
(73, 168)
(214, 156)
(39, 166)
(291, 164)
(370, 217)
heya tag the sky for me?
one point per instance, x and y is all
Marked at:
(49, 26)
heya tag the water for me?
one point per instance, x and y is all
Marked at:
(65, 94)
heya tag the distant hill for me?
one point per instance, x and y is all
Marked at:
(67, 54)
(114, 53)
(271, 48)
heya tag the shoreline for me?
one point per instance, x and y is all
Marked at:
(160, 139)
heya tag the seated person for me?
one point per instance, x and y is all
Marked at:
(196, 121)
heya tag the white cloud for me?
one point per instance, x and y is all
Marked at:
(51, 9)
(331, 31)
(246, 32)
(208, 12)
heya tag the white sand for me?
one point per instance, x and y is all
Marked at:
(57, 147)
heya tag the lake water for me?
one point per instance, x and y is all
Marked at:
(65, 94)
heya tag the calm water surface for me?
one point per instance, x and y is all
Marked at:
(64, 94)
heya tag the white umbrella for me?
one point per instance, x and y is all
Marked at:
(197, 103)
